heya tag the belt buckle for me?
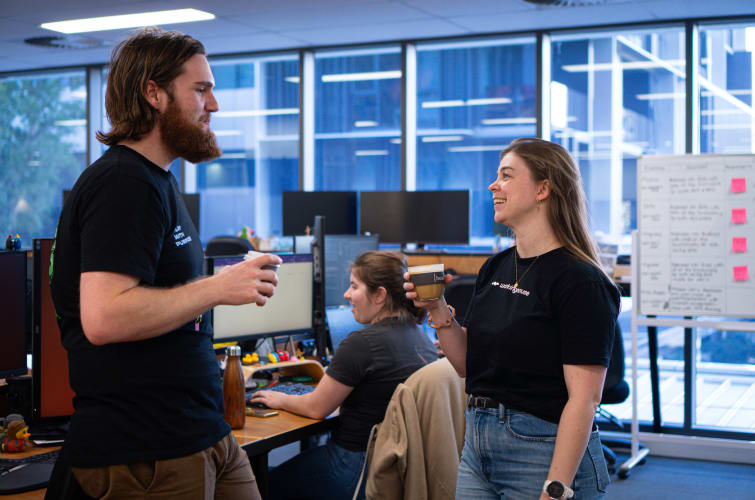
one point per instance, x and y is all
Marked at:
(478, 402)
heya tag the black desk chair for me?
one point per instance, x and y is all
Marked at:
(227, 245)
(458, 293)
(615, 391)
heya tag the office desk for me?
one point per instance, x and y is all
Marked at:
(258, 437)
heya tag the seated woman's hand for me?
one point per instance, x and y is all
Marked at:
(271, 399)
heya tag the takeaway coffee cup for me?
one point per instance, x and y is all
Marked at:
(428, 281)
(251, 254)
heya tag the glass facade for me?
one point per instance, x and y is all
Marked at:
(473, 99)
(616, 96)
(257, 127)
(725, 73)
(358, 120)
(42, 149)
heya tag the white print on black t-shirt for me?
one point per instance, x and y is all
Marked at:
(511, 288)
(179, 237)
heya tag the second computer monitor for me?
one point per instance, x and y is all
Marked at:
(288, 311)
(340, 252)
(13, 311)
(416, 216)
(338, 207)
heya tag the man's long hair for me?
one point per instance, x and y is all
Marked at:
(150, 54)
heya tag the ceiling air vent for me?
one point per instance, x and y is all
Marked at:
(566, 3)
(65, 42)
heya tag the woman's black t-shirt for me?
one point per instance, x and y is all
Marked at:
(153, 399)
(518, 339)
(374, 361)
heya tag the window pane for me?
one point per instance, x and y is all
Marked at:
(726, 84)
(616, 96)
(257, 127)
(42, 149)
(358, 119)
(473, 99)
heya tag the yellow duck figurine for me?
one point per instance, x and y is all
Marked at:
(17, 438)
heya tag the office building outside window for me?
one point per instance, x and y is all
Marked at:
(616, 96)
(358, 119)
(473, 99)
(725, 73)
(257, 127)
(42, 149)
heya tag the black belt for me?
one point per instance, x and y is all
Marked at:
(481, 402)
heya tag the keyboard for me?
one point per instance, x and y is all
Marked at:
(296, 388)
(29, 473)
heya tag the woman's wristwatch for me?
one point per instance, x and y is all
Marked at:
(557, 490)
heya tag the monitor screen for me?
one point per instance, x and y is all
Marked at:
(13, 311)
(288, 311)
(340, 252)
(53, 396)
(338, 207)
(416, 216)
(341, 323)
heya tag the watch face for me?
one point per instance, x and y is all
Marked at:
(555, 489)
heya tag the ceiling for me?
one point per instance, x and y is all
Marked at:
(256, 25)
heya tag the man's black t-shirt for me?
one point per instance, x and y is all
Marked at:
(374, 361)
(153, 399)
(563, 312)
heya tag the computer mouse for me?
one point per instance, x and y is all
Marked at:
(256, 404)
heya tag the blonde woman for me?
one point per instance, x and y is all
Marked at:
(536, 340)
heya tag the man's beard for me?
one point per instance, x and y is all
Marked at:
(185, 138)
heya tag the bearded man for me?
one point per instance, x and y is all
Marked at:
(125, 278)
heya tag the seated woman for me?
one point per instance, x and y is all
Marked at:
(361, 378)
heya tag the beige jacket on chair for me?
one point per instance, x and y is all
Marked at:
(418, 445)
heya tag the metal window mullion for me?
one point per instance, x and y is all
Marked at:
(543, 85)
(408, 117)
(617, 140)
(692, 97)
(306, 120)
(94, 111)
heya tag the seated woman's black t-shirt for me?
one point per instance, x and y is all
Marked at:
(374, 361)
(518, 339)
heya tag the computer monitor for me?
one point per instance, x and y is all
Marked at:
(416, 216)
(52, 399)
(13, 312)
(338, 207)
(288, 311)
(340, 252)
(191, 200)
(341, 323)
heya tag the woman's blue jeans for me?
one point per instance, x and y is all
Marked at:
(324, 472)
(507, 455)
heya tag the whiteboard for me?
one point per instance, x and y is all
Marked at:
(696, 225)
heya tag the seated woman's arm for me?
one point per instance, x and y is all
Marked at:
(327, 396)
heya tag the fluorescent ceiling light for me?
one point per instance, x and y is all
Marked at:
(71, 123)
(356, 77)
(509, 121)
(395, 141)
(233, 156)
(256, 112)
(575, 68)
(372, 152)
(471, 149)
(292, 79)
(365, 123)
(469, 102)
(660, 95)
(707, 93)
(128, 21)
(442, 138)
(225, 133)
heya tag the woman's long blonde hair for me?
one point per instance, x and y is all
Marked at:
(567, 209)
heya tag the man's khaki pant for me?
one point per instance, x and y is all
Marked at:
(219, 472)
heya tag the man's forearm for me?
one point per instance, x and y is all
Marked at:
(141, 312)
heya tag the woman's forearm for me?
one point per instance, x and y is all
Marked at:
(574, 431)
